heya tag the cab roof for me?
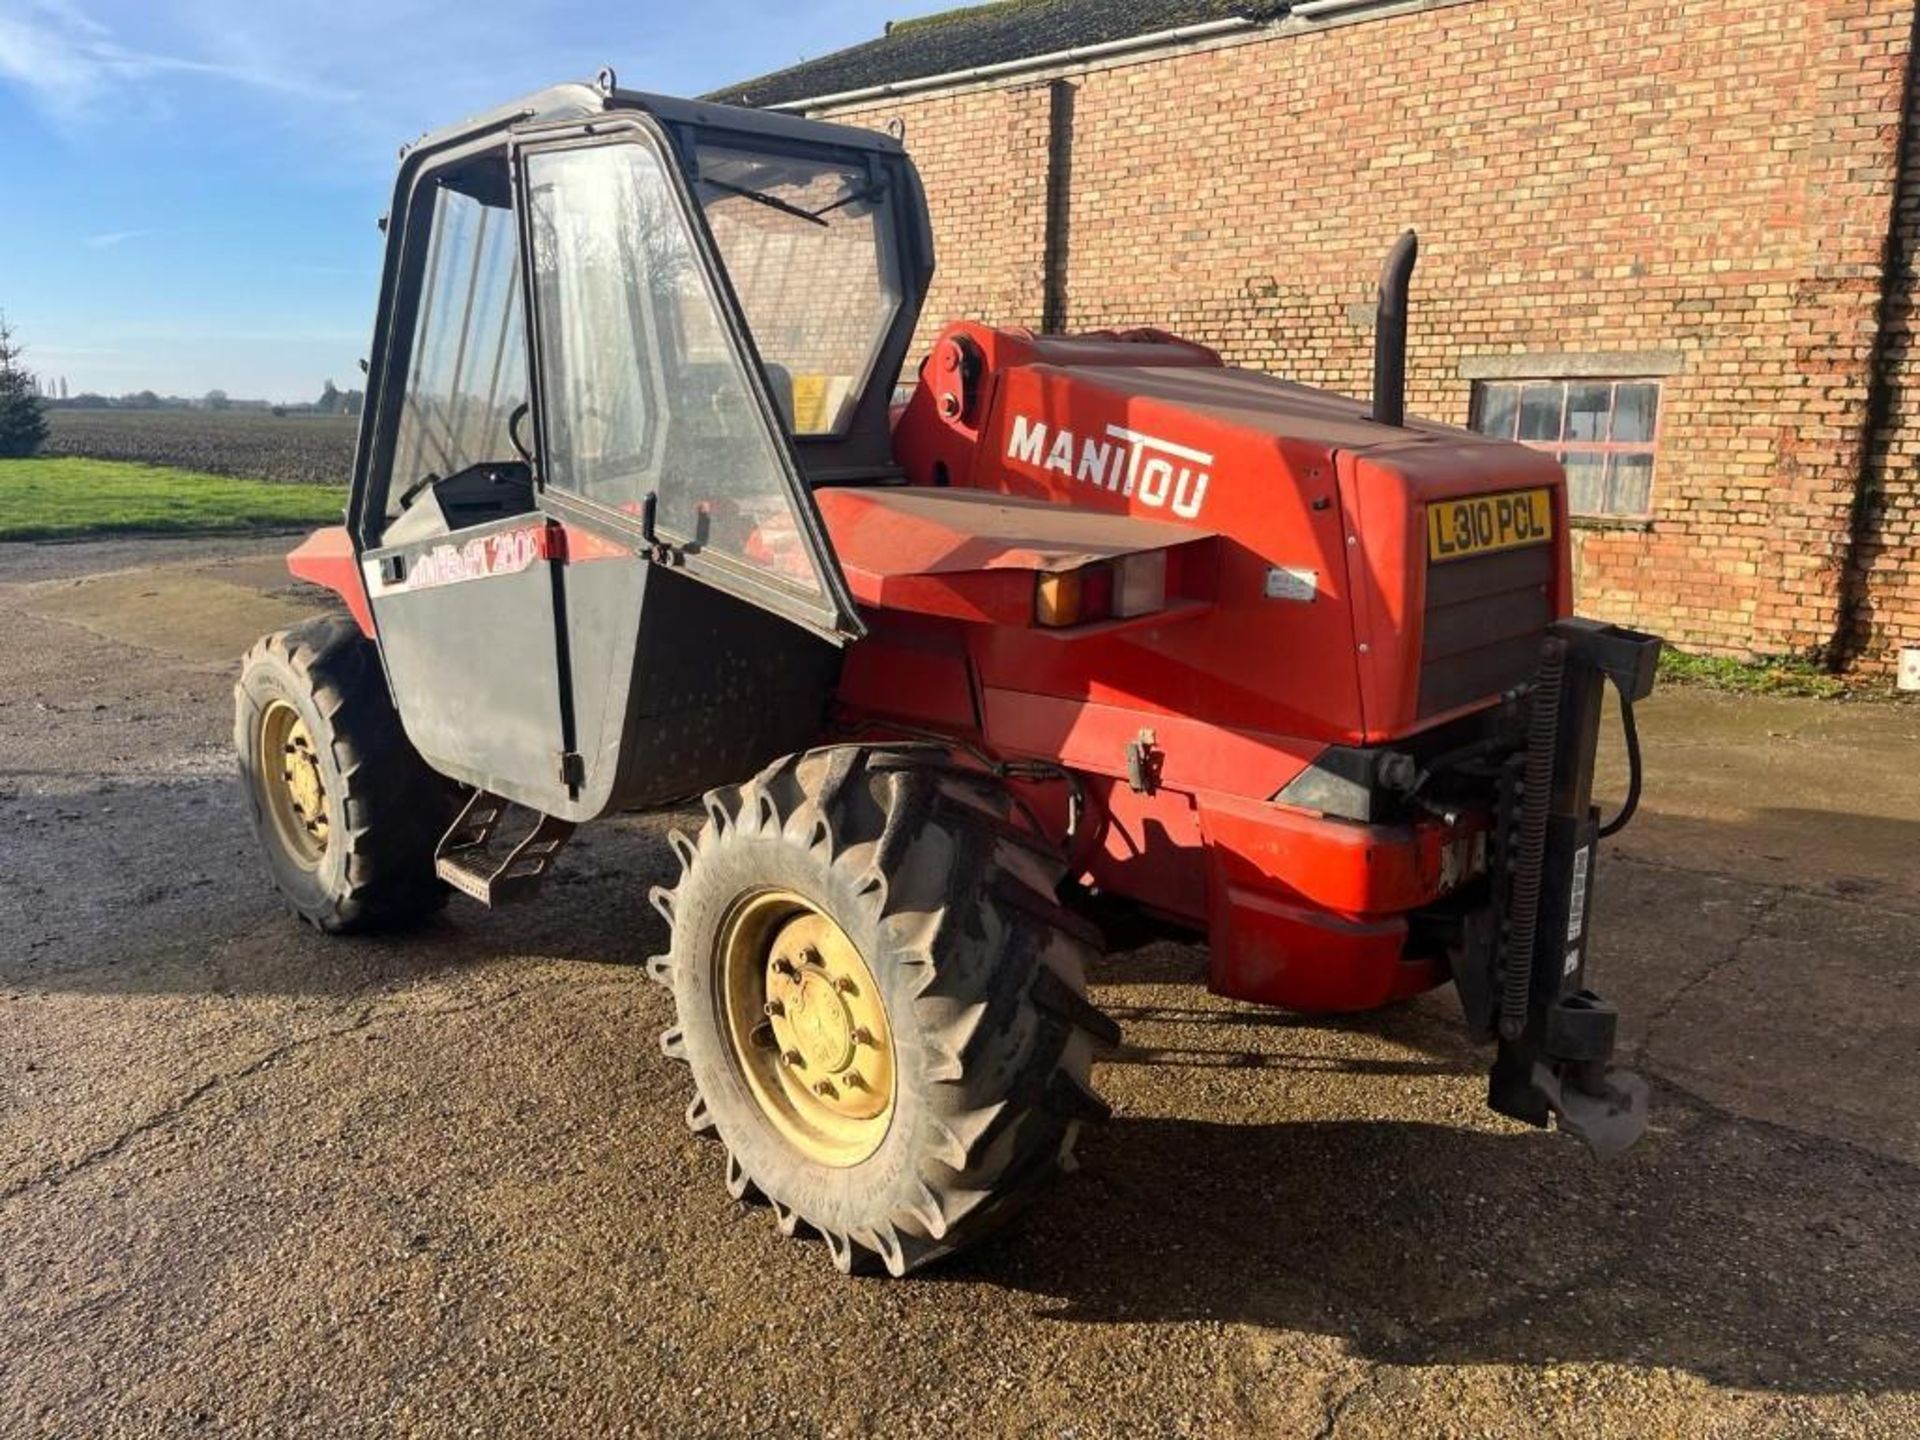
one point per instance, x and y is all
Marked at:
(578, 101)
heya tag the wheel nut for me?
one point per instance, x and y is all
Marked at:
(863, 1036)
(854, 1080)
(795, 1059)
(824, 1089)
(844, 985)
(773, 1008)
(784, 966)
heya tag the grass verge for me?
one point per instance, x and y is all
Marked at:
(1780, 675)
(51, 498)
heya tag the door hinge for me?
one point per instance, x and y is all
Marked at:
(573, 769)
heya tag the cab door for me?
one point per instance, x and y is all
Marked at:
(457, 560)
(700, 610)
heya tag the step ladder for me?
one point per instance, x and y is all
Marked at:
(467, 859)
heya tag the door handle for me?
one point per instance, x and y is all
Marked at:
(393, 569)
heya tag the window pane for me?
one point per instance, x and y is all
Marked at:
(469, 366)
(645, 393)
(1630, 485)
(1540, 412)
(819, 293)
(1587, 409)
(1499, 407)
(1586, 482)
(1634, 410)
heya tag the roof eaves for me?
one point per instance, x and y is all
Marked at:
(995, 35)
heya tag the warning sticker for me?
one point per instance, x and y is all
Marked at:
(1577, 902)
(1292, 582)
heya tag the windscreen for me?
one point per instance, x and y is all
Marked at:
(645, 395)
(809, 245)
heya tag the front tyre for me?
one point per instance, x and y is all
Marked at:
(882, 1004)
(345, 812)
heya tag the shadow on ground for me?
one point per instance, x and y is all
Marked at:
(1748, 1255)
(1751, 1255)
(156, 887)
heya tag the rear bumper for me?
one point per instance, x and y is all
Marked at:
(1312, 913)
(1321, 914)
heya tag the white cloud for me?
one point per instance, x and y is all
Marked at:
(69, 62)
(108, 239)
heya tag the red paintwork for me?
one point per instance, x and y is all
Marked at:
(1240, 692)
(970, 555)
(326, 558)
(1233, 474)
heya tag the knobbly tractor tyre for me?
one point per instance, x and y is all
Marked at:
(346, 813)
(881, 1001)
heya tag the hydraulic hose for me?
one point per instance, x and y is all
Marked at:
(1543, 732)
(1632, 733)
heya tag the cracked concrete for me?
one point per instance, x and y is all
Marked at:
(1761, 908)
(256, 1182)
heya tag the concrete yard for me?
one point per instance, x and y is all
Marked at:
(253, 1181)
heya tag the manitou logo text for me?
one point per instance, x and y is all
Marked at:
(1155, 472)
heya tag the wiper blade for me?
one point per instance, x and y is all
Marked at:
(861, 192)
(760, 197)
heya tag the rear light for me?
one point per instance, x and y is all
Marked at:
(1140, 586)
(1056, 600)
(1105, 590)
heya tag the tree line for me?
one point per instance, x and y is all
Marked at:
(26, 397)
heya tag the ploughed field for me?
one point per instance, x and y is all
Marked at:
(289, 449)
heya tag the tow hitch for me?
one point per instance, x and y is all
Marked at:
(1522, 976)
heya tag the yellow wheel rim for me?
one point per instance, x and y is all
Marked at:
(291, 784)
(808, 1027)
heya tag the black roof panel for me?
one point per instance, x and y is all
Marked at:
(984, 35)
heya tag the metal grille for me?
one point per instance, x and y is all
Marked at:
(1483, 624)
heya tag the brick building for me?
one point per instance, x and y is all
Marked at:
(1672, 240)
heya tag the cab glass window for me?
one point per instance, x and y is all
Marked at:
(643, 390)
(468, 370)
(809, 246)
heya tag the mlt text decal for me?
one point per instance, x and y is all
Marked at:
(505, 552)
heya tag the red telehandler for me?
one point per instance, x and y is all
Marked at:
(1091, 629)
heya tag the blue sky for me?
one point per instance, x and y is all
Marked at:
(188, 190)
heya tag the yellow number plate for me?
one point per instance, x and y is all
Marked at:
(1481, 524)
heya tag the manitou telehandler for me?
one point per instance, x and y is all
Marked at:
(1089, 627)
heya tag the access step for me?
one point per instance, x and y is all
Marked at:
(469, 861)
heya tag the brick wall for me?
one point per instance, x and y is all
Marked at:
(1884, 610)
(1709, 179)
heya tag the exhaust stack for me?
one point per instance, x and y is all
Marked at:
(1390, 333)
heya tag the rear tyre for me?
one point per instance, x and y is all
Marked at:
(346, 813)
(882, 1004)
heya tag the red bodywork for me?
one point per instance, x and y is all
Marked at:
(1296, 591)
(1239, 688)
(326, 558)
